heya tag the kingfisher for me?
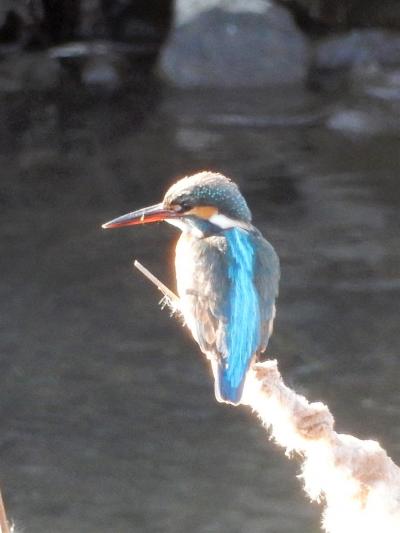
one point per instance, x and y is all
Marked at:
(227, 274)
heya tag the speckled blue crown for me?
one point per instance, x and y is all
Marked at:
(210, 188)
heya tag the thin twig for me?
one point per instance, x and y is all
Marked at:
(159, 284)
(4, 527)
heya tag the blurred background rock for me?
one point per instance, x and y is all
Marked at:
(211, 43)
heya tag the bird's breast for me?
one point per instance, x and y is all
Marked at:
(185, 267)
(185, 264)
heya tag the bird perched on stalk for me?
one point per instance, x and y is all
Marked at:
(227, 274)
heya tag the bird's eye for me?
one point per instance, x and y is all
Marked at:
(183, 206)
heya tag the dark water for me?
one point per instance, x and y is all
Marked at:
(108, 421)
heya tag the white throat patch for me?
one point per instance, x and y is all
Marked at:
(184, 226)
(179, 223)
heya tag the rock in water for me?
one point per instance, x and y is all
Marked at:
(358, 48)
(221, 48)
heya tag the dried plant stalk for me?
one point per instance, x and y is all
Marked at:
(355, 480)
(171, 299)
(4, 527)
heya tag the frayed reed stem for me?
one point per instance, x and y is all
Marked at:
(4, 525)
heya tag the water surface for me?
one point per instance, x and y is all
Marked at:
(108, 421)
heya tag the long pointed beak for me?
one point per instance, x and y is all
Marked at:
(154, 213)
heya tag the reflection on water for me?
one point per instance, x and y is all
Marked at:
(107, 411)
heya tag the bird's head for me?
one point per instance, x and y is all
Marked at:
(196, 203)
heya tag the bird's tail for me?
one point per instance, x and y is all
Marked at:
(225, 390)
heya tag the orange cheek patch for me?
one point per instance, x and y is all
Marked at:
(206, 211)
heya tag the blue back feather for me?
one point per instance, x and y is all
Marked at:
(243, 331)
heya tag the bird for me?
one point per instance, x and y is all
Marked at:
(227, 274)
